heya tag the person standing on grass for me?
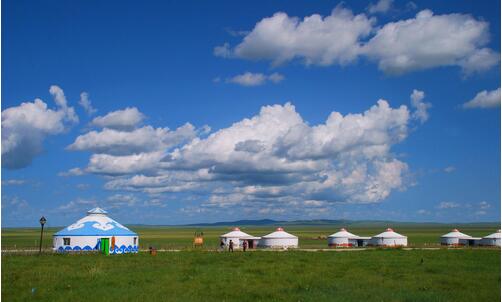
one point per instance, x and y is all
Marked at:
(244, 245)
(222, 245)
(231, 246)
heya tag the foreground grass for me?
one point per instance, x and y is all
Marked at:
(373, 275)
(310, 236)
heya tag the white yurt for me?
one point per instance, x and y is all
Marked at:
(491, 240)
(96, 232)
(453, 238)
(238, 237)
(343, 238)
(389, 238)
(279, 239)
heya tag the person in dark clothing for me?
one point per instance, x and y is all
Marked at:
(231, 246)
(244, 245)
(222, 244)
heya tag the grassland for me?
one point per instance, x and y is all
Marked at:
(370, 275)
(314, 236)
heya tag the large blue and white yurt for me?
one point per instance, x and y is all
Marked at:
(96, 232)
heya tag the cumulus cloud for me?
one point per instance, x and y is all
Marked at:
(144, 139)
(423, 42)
(270, 160)
(85, 102)
(421, 107)
(255, 79)
(382, 6)
(316, 40)
(428, 41)
(484, 99)
(125, 119)
(25, 127)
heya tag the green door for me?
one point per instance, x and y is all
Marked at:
(105, 246)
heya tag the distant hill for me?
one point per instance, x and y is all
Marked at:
(340, 222)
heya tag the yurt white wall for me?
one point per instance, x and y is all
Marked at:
(279, 239)
(490, 242)
(389, 238)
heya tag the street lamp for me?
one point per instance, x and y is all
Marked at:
(42, 222)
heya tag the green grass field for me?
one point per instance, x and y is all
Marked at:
(471, 274)
(312, 236)
(369, 275)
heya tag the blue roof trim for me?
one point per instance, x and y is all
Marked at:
(105, 235)
(89, 230)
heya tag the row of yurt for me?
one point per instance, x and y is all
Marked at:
(96, 232)
(277, 239)
(389, 238)
(456, 238)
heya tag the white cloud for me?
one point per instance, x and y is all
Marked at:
(273, 159)
(449, 169)
(125, 119)
(382, 6)
(86, 103)
(25, 127)
(424, 42)
(316, 40)
(13, 182)
(421, 107)
(428, 41)
(255, 79)
(121, 200)
(60, 100)
(484, 99)
(72, 172)
(144, 139)
(423, 212)
(448, 205)
(127, 164)
(484, 205)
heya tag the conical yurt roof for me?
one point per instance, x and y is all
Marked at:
(493, 236)
(389, 233)
(96, 223)
(343, 233)
(279, 233)
(236, 233)
(455, 234)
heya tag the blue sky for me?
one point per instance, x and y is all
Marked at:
(282, 101)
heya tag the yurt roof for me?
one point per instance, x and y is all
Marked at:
(343, 233)
(389, 233)
(493, 236)
(96, 223)
(455, 234)
(237, 233)
(279, 233)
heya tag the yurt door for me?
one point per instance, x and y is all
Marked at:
(105, 246)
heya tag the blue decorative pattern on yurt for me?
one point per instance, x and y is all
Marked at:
(117, 250)
(96, 228)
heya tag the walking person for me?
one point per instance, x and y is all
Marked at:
(222, 245)
(231, 246)
(244, 245)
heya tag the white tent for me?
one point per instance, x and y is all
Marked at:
(96, 232)
(343, 238)
(238, 237)
(279, 239)
(491, 240)
(389, 238)
(453, 238)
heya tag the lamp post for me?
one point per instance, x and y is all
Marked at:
(42, 222)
